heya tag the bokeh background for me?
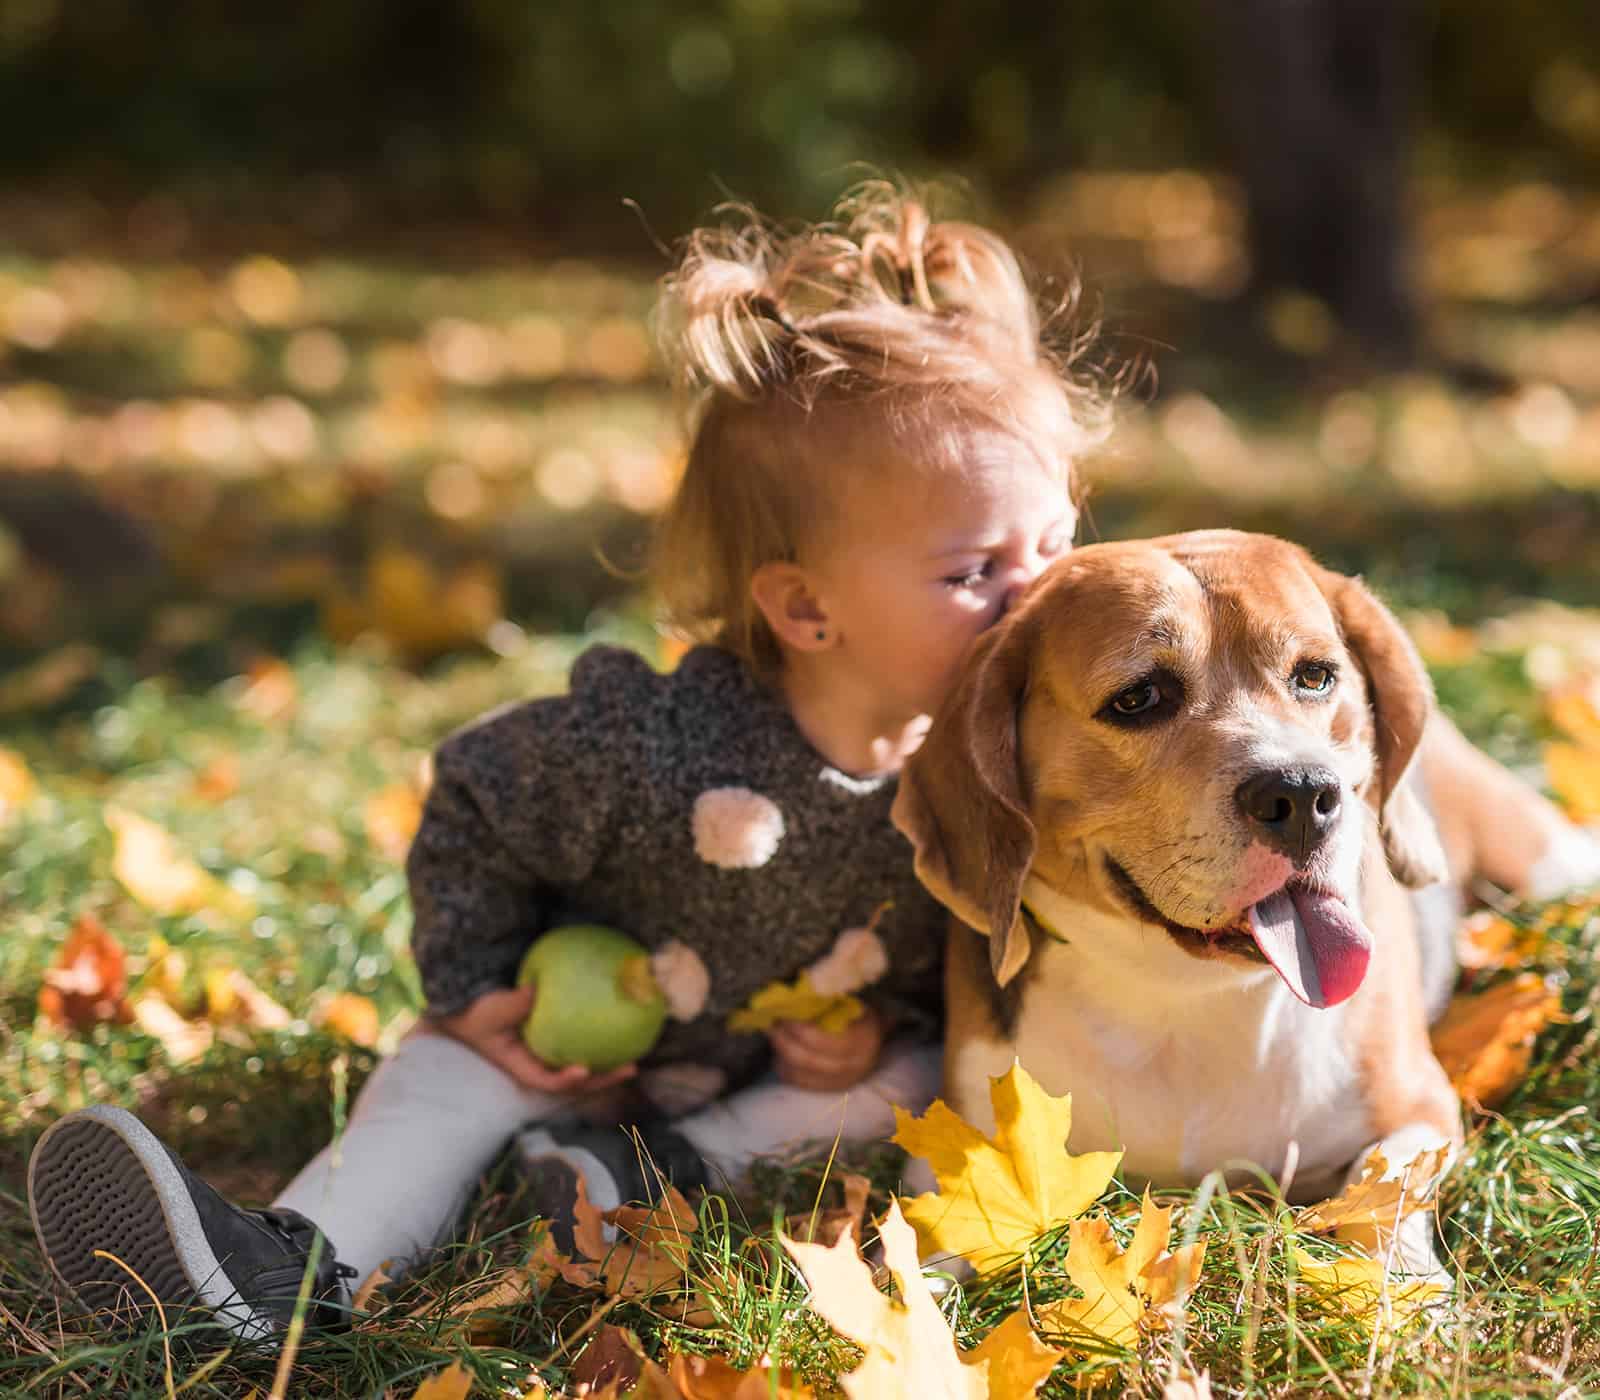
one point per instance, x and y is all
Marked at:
(329, 414)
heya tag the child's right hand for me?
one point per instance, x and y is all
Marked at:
(492, 1025)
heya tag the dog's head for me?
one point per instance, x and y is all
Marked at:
(1188, 732)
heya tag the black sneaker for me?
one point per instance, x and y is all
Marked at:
(618, 1165)
(100, 1180)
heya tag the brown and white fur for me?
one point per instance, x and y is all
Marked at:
(1112, 861)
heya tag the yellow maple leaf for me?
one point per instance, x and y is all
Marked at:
(1124, 1290)
(452, 1383)
(1361, 1289)
(997, 1197)
(909, 1347)
(1575, 777)
(795, 1001)
(150, 866)
(1369, 1211)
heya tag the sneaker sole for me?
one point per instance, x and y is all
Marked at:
(100, 1180)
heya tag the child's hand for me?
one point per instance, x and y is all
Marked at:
(809, 1057)
(492, 1025)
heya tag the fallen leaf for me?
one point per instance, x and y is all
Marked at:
(368, 1289)
(1485, 1040)
(87, 983)
(909, 1347)
(1358, 1287)
(49, 679)
(1486, 941)
(716, 1378)
(391, 818)
(1574, 708)
(17, 785)
(612, 1359)
(827, 1226)
(1124, 1290)
(233, 999)
(419, 610)
(649, 1256)
(152, 869)
(353, 1016)
(795, 1001)
(218, 780)
(997, 1197)
(181, 1038)
(270, 691)
(1018, 1361)
(452, 1383)
(1575, 778)
(1369, 1211)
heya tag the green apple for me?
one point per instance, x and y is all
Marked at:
(597, 1003)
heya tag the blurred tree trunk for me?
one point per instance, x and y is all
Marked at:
(1316, 98)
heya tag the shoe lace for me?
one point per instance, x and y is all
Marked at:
(299, 1236)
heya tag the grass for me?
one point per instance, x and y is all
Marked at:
(329, 915)
(166, 394)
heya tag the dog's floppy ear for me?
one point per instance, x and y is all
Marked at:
(1401, 698)
(961, 802)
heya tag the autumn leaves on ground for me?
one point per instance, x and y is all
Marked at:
(375, 496)
(212, 920)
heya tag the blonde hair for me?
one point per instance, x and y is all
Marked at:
(881, 332)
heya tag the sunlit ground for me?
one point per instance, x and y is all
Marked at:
(278, 523)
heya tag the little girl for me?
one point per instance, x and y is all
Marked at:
(881, 461)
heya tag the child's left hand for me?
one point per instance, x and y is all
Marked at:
(809, 1057)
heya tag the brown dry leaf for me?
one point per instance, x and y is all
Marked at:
(827, 1226)
(49, 679)
(1485, 1040)
(909, 1346)
(368, 1289)
(612, 1360)
(1575, 778)
(996, 1197)
(353, 1016)
(715, 1378)
(418, 610)
(87, 984)
(649, 1255)
(270, 691)
(152, 869)
(452, 1383)
(17, 785)
(1124, 1291)
(391, 818)
(1369, 1211)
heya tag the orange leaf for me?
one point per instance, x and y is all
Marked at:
(391, 818)
(1485, 1041)
(650, 1253)
(155, 872)
(1486, 941)
(218, 780)
(352, 1016)
(270, 691)
(1574, 708)
(1575, 777)
(88, 982)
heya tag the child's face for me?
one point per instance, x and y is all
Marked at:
(928, 561)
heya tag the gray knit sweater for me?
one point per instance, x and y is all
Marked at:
(685, 806)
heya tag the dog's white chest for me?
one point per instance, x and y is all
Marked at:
(1208, 1075)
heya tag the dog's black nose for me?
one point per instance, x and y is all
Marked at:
(1290, 809)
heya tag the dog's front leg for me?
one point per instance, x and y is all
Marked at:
(1417, 1156)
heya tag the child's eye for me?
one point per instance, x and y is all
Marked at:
(970, 578)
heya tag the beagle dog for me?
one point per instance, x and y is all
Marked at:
(1175, 791)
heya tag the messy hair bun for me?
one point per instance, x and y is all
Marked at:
(882, 335)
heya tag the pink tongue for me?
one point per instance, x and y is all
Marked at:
(1317, 945)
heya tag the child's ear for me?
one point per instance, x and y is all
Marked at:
(788, 600)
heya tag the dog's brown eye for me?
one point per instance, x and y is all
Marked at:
(1136, 699)
(1314, 677)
